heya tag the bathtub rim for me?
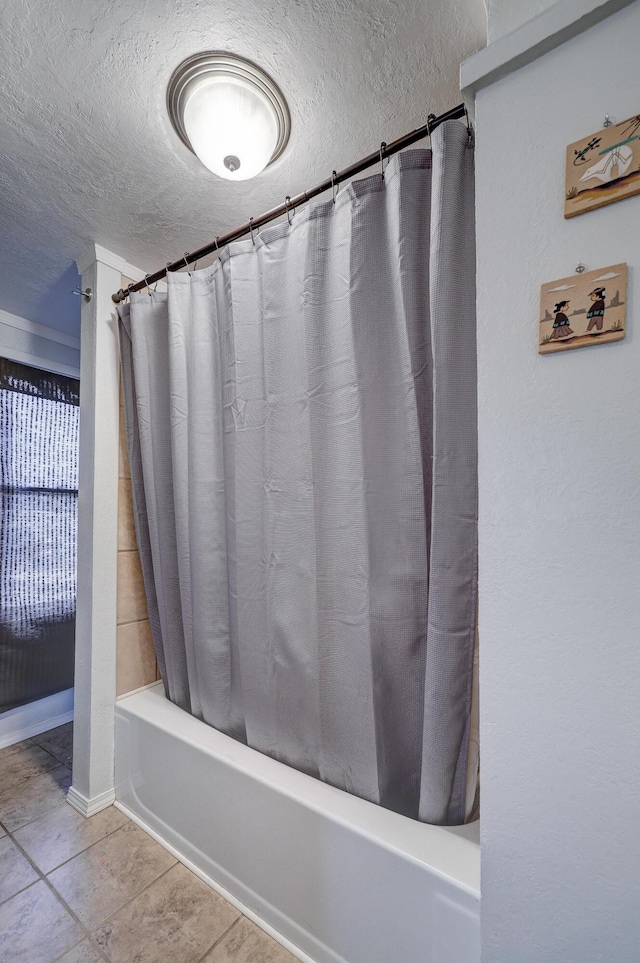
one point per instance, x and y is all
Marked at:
(398, 834)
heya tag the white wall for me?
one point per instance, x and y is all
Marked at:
(559, 528)
(96, 614)
(503, 16)
(29, 343)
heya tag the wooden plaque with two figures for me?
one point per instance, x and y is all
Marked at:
(583, 310)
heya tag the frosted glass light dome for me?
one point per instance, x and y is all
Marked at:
(229, 113)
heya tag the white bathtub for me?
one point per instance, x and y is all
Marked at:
(334, 878)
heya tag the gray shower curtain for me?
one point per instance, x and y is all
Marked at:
(301, 419)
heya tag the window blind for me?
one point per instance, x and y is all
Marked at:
(38, 531)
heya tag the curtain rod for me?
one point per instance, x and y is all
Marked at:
(386, 150)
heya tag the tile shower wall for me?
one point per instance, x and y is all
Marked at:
(136, 661)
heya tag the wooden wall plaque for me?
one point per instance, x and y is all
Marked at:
(583, 310)
(603, 168)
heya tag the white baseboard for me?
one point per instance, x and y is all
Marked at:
(89, 807)
(23, 722)
(230, 898)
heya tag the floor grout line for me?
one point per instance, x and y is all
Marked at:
(86, 848)
(53, 808)
(132, 898)
(21, 785)
(32, 741)
(222, 935)
(49, 872)
(32, 775)
(35, 775)
(86, 933)
(53, 756)
(79, 943)
(41, 876)
(17, 893)
(122, 905)
(59, 897)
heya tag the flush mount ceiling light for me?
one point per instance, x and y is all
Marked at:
(229, 113)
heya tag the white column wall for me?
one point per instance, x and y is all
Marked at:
(95, 669)
(95, 673)
(559, 445)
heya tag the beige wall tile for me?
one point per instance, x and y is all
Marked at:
(126, 527)
(132, 602)
(136, 657)
(123, 457)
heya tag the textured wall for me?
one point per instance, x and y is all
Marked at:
(136, 661)
(89, 153)
(559, 528)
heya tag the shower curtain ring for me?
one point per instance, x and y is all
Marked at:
(186, 263)
(382, 148)
(146, 278)
(251, 229)
(287, 204)
(334, 193)
(217, 243)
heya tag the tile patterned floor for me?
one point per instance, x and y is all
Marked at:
(75, 890)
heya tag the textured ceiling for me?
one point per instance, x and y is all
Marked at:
(87, 152)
